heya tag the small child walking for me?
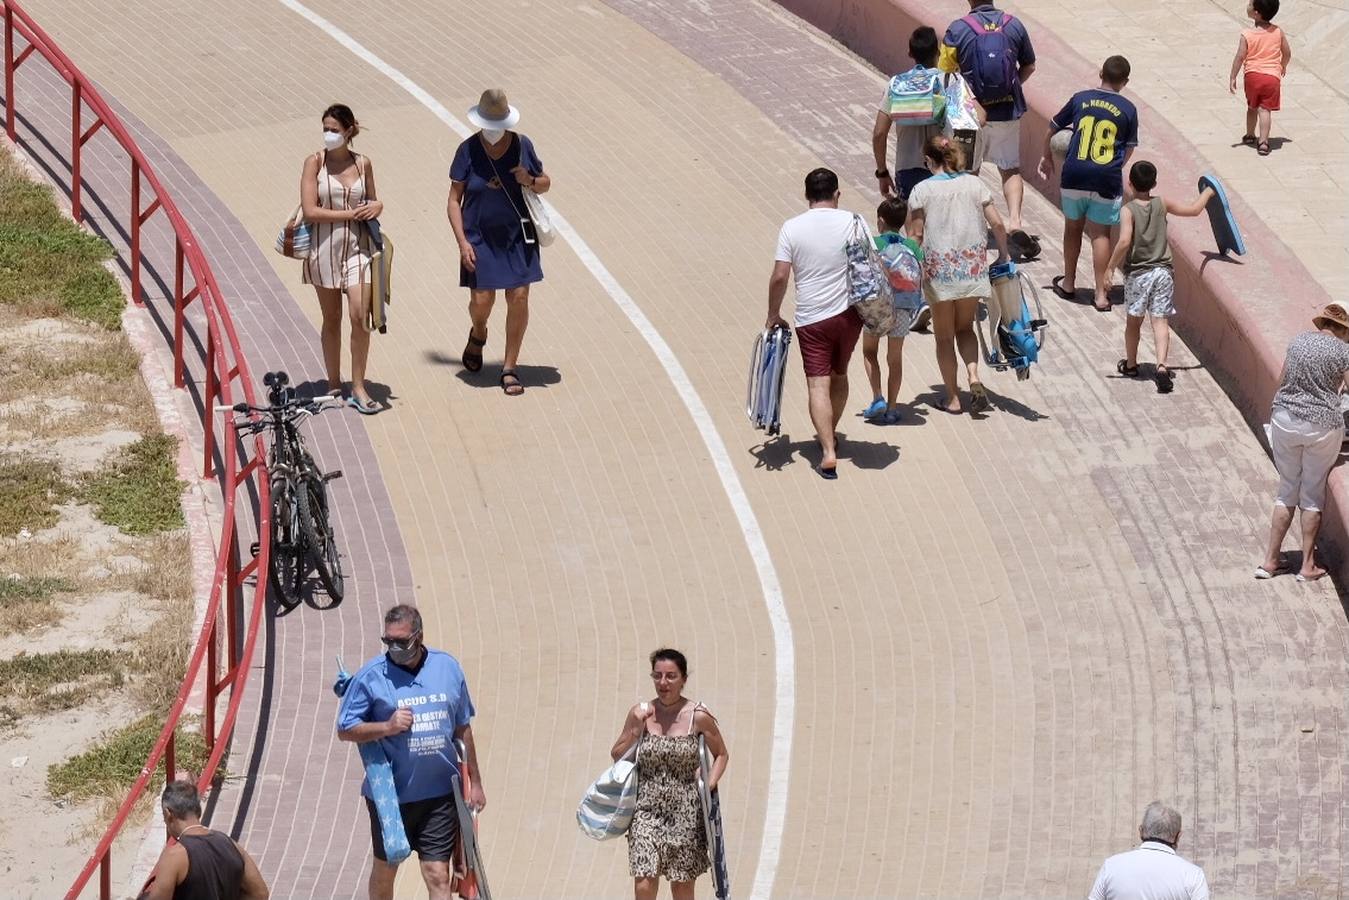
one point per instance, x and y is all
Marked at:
(902, 258)
(1264, 53)
(1149, 282)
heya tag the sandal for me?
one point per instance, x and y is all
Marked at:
(1262, 148)
(472, 358)
(829, 474)
(1248, 139)
(1165, 380)
(366, 407)
(513, 388)
(875, 409)
(1024, 247)
(1056, 285)
(978, 397)
(1127, 370)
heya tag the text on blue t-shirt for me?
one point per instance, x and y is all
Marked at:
(1104, 126)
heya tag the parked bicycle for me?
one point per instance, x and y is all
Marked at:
(302, 535)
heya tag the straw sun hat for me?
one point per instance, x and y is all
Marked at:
(1336, 312)
(493, 112)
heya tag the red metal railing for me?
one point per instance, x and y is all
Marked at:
(226, 371)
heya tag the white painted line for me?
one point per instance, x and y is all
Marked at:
(784, 654)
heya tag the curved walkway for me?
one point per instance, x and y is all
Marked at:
(1010, 633)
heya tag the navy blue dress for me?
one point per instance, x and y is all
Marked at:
(491, 223)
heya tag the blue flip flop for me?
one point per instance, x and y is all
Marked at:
(892, 417)
(875, 409)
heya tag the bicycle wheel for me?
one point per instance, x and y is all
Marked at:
(286, 557)
(319, 543)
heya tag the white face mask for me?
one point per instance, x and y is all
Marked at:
(333, 140)
(491, 136)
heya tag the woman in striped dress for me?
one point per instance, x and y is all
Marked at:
(337, 189)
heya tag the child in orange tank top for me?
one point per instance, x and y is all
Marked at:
(1264, 53)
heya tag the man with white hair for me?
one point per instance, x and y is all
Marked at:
(1152, 871)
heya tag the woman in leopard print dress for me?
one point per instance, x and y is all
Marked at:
(666, 838)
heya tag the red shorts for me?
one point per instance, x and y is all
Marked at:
(827, 345)
(1262, 91)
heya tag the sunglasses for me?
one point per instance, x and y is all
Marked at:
(406, 643)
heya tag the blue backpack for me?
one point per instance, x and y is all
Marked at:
(993, 74)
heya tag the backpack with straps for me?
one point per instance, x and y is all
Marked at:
(915, 97)
(993, 73)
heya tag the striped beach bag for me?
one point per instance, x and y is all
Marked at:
(915, 97)
(608, 806)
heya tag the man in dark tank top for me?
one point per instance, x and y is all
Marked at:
(200, 864)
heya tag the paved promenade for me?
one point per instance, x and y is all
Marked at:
(1010, 632)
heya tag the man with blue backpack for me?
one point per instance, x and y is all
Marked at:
(995, 57)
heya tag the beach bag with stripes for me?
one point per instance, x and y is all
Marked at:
(607, 808)
(915, 97)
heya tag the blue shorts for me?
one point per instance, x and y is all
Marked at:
(1077, 205)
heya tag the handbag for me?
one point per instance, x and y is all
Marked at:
(609, 804)
(964, 117)
(544, 229)
(296, 237)
(869, 290)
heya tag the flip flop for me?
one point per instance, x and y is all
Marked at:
(1165, 380)
(1126, 370)
(472, 358)
(367, 408)
(1056, 285)
(1300, 577)
(1263, 574)
(1026, 246)
(1248, 139)
(892, 417)
(829, 474)
(514, 388)
(979, 401)
(1262, 148)
(875, 409)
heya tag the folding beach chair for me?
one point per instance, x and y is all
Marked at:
(767, 364)
(1012, 322)
(472, 884)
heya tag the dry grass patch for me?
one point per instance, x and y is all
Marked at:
(26, 603)
(51, 682)
(161, 653)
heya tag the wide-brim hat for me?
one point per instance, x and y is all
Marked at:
(493, 112)
(1335, 312)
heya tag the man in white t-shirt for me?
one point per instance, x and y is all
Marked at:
(811, 251)
(1152, 871)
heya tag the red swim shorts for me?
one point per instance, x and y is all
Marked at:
(827, 345)
(1262, 91)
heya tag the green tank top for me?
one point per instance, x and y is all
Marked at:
(1150, 249)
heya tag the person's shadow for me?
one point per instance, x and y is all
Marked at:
(381, 393)
(936, 399)
(777, 453)
(489, 376)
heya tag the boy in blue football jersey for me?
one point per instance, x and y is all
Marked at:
(1104, 133)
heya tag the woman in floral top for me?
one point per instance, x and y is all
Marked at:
(950, 214)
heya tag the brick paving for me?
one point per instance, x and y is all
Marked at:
(1053, 622)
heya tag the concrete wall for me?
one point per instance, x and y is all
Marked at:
(1237, 314)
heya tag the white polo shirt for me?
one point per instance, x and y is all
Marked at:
(1153, 871)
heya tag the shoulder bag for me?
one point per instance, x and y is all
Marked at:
(869, 289)
(609, 804)
(537, 211)
(295, 238)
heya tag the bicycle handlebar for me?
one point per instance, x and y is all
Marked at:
(308, 404)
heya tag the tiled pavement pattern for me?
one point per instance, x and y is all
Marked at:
(1011, 632)
(1182, 54)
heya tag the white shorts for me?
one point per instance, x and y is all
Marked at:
(1000, 144)
(1151, 292)
(1304, 462)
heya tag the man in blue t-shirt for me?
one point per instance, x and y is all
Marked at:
(1104, 128)
(995, 56)
(415, 702)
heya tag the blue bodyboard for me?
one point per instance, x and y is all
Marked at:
(1225, 230)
